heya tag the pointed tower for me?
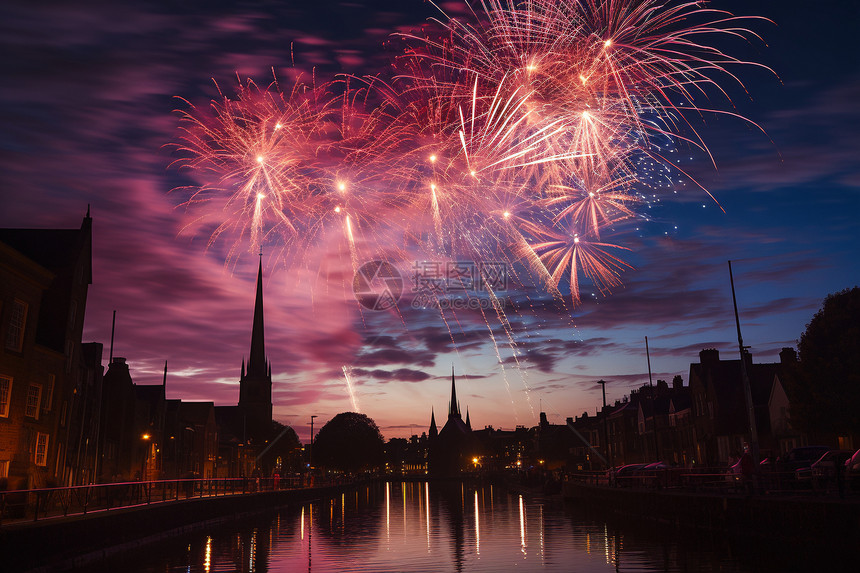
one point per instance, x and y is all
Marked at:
(468, 423)
(433, 432)
(255, 386)
(164, 383)
(454, 406)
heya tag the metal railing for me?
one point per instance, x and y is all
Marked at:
(36, 504)
(724, 481)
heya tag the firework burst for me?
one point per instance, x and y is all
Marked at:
(518, 132)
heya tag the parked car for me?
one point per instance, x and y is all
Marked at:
(823, 470)
(624, 475)
(802, 457)
(852, 470)
(827, 464)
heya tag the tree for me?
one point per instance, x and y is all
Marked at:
(825, 386)
(349, 442)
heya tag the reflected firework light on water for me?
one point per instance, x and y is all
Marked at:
(530, 133)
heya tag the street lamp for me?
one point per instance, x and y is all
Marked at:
(145, 438)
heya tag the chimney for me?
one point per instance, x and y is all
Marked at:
(747, 357)
(709, 356)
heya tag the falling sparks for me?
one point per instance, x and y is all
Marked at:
(347, 376)
(529, 131)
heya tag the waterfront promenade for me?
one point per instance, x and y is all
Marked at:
(90, 522)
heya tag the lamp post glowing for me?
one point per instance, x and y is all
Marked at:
(145, 438)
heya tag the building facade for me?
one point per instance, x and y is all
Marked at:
(44, 366)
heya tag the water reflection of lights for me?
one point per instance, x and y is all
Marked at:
(606, 543)
(388, 511)
(540, 522)
(522, 526)
(302, 524)
(427, 506)
(252, 555)
(207, 559)
(477, 528)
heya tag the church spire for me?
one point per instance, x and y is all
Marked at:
(453, 406)
(164, 380)
(257, 360)
(433, 431)
(468, 423)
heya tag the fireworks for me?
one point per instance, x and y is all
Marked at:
(517, 133)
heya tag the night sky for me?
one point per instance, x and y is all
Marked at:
(87, 108)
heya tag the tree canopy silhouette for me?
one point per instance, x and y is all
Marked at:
(825, 386)
(350, 442)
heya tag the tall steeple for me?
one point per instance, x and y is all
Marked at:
(468, 423)
(433, 431)
(257, 360)
(255, 385)
(453, 406)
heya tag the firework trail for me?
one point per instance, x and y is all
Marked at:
(347, 376)
(518, 133)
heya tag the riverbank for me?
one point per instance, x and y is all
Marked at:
(827, 522)
(63, 543)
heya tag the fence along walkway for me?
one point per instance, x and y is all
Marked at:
(46, 503)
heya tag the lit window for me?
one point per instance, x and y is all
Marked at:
(5, 395)
(17, 320)
(4, 469)
(41, 458)
(34, 397)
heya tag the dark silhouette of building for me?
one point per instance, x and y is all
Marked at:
(44, 372)
(719, 415)
(255, 385)
(244, 428)
(455, 447)
(190, 440)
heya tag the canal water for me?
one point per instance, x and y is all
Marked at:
(434, 527)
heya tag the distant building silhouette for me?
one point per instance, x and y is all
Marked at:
(248, 424)
(454, 448)
(719, 415)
